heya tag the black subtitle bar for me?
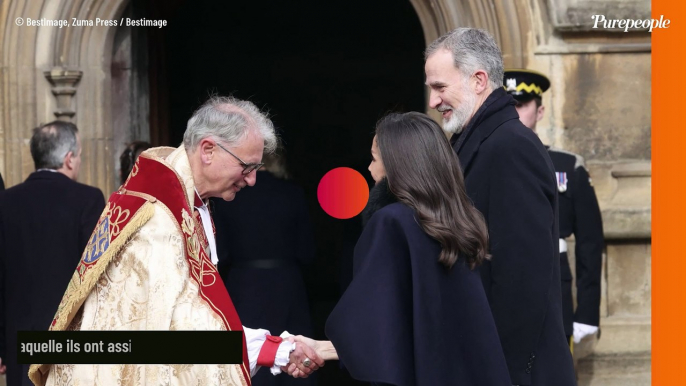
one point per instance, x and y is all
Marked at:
(130, 347)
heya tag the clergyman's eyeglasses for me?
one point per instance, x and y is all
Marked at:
(247, 167)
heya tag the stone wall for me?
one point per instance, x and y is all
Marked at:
(599, 106)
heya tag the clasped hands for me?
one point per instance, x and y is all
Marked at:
(308, 356)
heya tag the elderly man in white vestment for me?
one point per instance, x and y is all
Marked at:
(151, 262)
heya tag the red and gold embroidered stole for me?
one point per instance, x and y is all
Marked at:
(127, 210)
(161, 182)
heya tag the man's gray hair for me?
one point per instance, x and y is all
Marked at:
(472, 49)
(231, 120)
(51, 142)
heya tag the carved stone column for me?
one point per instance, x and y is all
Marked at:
(622, 354)
(627, 214)
(63, 83)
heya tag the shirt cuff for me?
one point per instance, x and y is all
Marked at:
(254, 339)
(283, 353)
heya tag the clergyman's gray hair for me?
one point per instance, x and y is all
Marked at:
(231, 120)
(51, 142)
(472, 49)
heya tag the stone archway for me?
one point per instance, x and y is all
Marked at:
(49, 73)
(58, 73)
(508, 23)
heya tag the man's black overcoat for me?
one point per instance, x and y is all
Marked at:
(45, 224)
(511, 180)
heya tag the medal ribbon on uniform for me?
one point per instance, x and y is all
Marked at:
(561, 181)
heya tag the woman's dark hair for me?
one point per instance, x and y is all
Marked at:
(129, 156)
(424, 173)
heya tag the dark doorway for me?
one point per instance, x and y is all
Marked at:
(325, 70)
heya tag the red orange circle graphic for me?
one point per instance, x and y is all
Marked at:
(343, 193)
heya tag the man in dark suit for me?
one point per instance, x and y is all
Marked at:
(511, 180)
(579, 212)
(45, 224)
(264, 237)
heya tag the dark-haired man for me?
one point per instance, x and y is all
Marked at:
(45, 223)
(510, 178)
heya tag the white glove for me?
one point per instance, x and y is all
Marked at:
(582, 330)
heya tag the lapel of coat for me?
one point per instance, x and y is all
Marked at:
(496, 110)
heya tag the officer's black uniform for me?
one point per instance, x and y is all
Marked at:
(579, 215)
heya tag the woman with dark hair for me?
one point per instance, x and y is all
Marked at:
(129, 156)
(415, 312)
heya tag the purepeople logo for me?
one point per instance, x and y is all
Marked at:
(627, 24)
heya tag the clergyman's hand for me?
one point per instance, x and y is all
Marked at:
(304, 354)
(3, 368)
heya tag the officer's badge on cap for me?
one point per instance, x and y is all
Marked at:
(525, 85)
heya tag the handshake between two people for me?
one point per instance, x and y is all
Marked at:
(308, 356)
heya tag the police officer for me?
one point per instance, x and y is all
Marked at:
(578, 212)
